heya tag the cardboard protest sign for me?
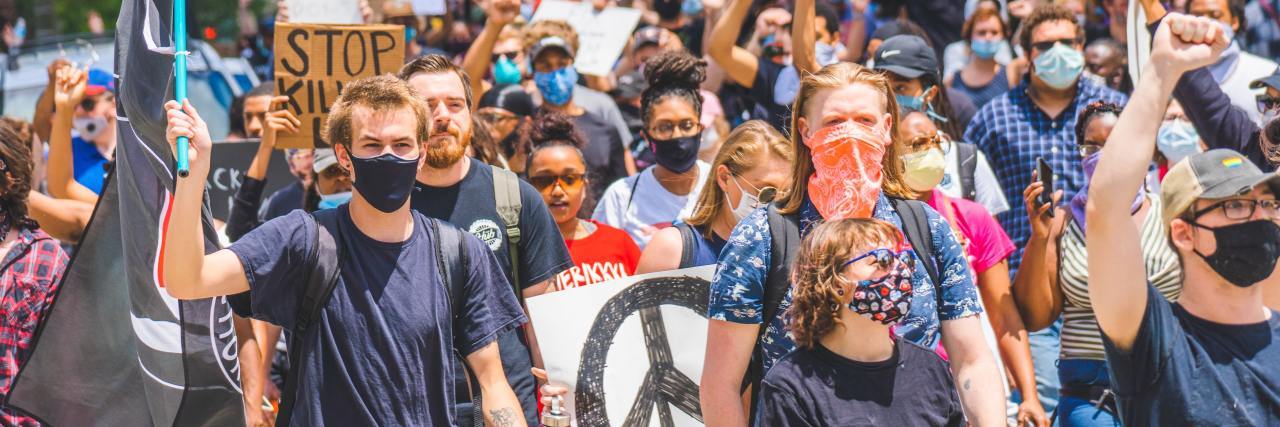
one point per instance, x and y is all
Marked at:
(314, 61)
(325, 12)
(601, 35)
(229, 162)
(630, 350)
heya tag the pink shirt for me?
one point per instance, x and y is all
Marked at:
(985, 242)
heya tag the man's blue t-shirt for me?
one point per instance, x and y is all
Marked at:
(380, 352)
(1184, 370)
(90, 166)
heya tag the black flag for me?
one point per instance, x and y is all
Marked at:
(115, 348)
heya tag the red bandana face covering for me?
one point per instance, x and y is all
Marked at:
(846, 169)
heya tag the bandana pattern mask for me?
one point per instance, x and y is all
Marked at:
(847, 170)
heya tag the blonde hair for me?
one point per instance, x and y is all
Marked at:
(817, 285)
(742, 152)
(550, 28)
(832, 77)
(378, 94)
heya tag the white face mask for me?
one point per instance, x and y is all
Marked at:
(89, 128)
(748, 202)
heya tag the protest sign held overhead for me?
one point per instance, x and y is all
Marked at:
(325, 12)
(314, 61)
(629, 350)
(602, 35)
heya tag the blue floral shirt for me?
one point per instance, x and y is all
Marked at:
(737, 289)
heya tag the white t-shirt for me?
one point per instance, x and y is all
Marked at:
(988, 191)
(651, 209)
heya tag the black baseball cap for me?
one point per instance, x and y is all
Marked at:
(908, 56)
(510, 97)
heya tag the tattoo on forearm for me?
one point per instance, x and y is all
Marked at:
(504, 417)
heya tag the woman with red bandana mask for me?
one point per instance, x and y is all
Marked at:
(671, 108)
(846, 167)
(846, 300)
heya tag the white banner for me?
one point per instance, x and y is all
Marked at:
(325, 12)
(630, 350)
(601, 35)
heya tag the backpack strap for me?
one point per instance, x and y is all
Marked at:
(634, 185)
(322, 278)
(968, 156)
(506, 192)
(453, 266)
(784, 234)
(915, 224)
(688, 244)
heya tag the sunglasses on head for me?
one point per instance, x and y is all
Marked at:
(544, 183)
(1048, 44)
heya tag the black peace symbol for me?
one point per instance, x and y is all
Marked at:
(664, 386)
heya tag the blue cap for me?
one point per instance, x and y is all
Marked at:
(100, 81)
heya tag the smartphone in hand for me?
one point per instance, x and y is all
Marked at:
(1044, 173)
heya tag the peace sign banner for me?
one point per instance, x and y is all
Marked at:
(630, 350)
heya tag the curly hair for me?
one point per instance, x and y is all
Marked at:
(672, 74)
(818, 290)
(553, 129)
(1043, 14)
(15, 177)
(1094, 110)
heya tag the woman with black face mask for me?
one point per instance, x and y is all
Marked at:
(667, 191)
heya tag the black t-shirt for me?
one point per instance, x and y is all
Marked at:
(470, 204)
(962, 109)
(941, 19)
(606, 161)
(379, 352)
(773, 91)
(820, 388)
(282, 201)
(1184, 370)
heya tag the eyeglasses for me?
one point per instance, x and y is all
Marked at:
(885, 258)
(494, 116)
(510, 55)
(1237, 209)
(569, 182)
(1048, 44)
(666, 130)
(1267, 103)
(1088, 149)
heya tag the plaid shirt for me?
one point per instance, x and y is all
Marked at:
(1263, 35)
(1012, 131)
(32, 272)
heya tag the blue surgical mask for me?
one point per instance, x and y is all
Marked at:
(1177, 139)
(907, 104)
(1060, 66)
(984, 49)
(827, 54)
(505, 72)
(330, 201)
(557, 86)
(409, 34)
(384, 181)
(691, 7)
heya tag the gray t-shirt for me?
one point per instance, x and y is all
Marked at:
(379, 353)
(602, 106)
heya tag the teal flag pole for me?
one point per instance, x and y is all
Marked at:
(180, 76)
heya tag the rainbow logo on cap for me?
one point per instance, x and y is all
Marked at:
(1232, 163)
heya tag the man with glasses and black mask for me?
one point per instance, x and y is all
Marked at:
(1210, 358)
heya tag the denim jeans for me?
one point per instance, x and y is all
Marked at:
(1074, 411)
(1044, 355)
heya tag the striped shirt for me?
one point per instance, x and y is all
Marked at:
(1081, 338)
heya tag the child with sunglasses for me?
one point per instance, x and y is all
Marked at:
(848, 365)
(557, 169)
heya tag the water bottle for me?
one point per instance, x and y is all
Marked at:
(555, 415)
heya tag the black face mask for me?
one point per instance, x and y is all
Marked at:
(1247, 252)
(384, 181)
(677, 154)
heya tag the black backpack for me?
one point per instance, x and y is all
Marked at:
(323, 278)
(784, 233)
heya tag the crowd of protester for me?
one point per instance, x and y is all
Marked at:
(926, 212)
